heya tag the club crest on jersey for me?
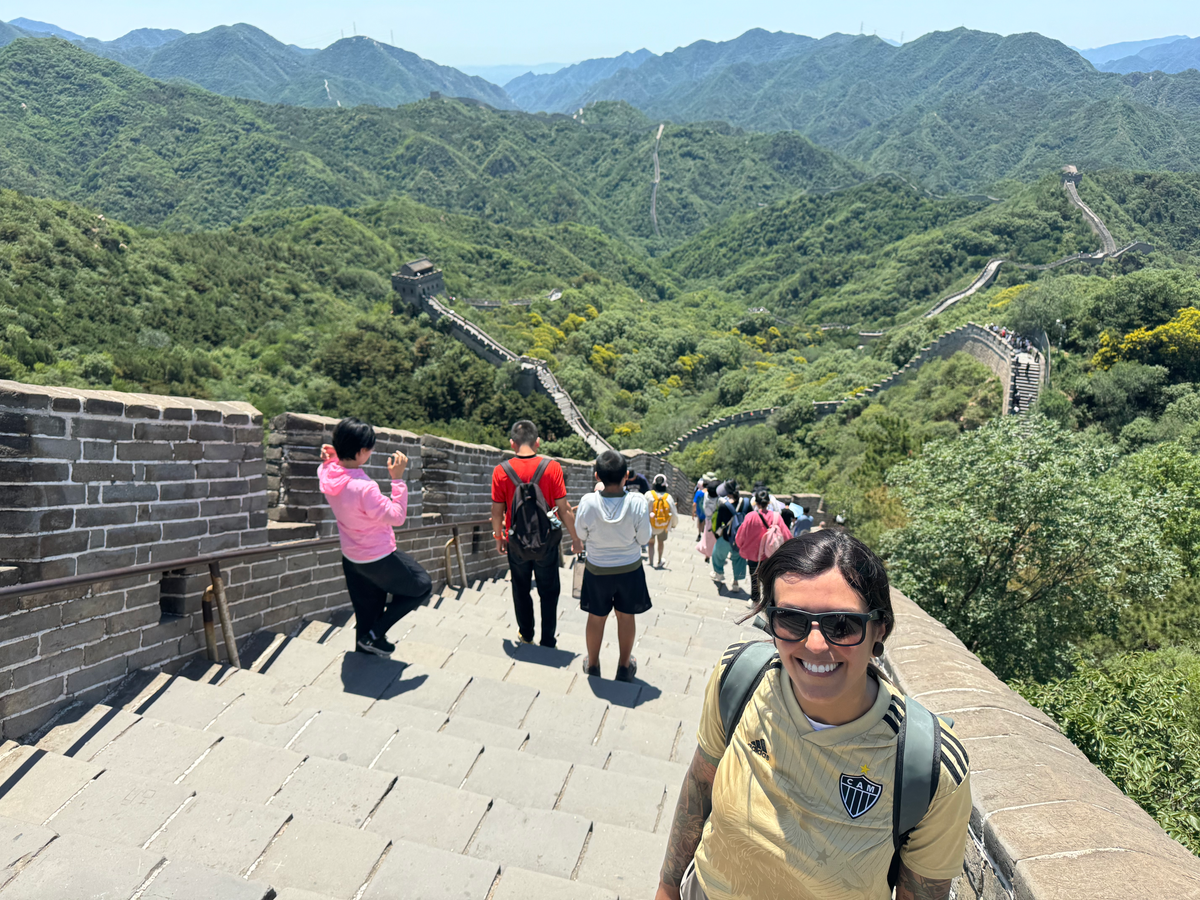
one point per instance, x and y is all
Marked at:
(859, 793)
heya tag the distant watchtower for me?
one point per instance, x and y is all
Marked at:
(418, 280)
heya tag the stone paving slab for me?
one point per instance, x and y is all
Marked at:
(170, 698)
(443, 635)
(628, 763)
(486, 733)
(654, 681)
(344, 738)
(243, 769)
(531, 782)
(429, 755)
(288, 893)
(478, 665)
(642, 732)
(430, 688)
(122, 807)
(416, 872)
(429, 813)
(82, 732)
(416, 652)
(494, 645)
(34, 783)
(321, 857)
(496, 701)
(536, 839)
(653, 645)
(613, 797)
(180, 881)
(263, 721)
(545, 679)
(329, 700)
(19, 840)
(553, 746)
(623, 860)
(521, 884)
(220, 833)
(255, 684)
(404, 716)
(617, 693)
(575, 716)
(359, 673)
(159, 750)
(76, 867)
(295, 662)
(333, 791)
(671, 704)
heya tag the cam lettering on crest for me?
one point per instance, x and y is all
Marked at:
(859, 793)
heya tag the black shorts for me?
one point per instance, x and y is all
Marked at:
(627, 593)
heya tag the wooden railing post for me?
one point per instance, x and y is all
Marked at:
(218, 588)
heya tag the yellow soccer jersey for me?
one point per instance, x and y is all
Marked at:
(807, 814)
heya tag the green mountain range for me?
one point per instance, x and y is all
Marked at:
(244, 61)
(155, 153)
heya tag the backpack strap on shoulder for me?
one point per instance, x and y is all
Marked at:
(918, 771)
(541, 470)
(749, 663)
(511, 473)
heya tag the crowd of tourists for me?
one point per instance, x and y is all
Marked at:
(1010, 337)
(801, 738)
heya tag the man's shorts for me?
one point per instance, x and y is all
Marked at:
(626, 593)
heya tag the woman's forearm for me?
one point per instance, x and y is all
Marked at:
(691, 812)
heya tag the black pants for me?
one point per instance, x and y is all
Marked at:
(752, 565)
(546, 571)
(370, 583)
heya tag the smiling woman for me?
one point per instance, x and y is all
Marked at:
(801, 794)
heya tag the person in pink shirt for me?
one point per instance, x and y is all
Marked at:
(373, 566)
(757, 525)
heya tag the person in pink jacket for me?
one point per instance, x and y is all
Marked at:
(757, 525)
(373, 566)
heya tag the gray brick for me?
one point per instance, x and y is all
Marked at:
(71, 636)
(138, 411)
(103, 429)
(98, 451)
(23, 624)
(98, 517)
(129, 493)
(154, 431)
(177, 531)
(144, 450)
(183, 490)
(132, 619)
(89, 607)
(207, 432)
(101, 472)
(170, 472)
(19, 471)
(111, 648)
(30, 698)
(178, 413)
(132, 534)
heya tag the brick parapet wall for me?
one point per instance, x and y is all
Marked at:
(1045, 822)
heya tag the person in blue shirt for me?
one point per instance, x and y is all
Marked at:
(698, 509)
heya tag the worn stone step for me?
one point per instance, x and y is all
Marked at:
(522, 884)
(573, 716)
(221, 833)
(156, 749)
(243, 770)
(294, 661)
(76, 865)
(431, 756)
(344, 738)
(487, 733)
(321, 857)
(645, 733)
(37, 782)
(171, 698)
(262, 720)
(554, 746)
(121, 807)
(496, 701)
(632, 801)
(522, 779)
(624, 860)
(334, 792)
(412, 871)
(427, 812)
(81, 731)
(540, 840)
(19, 842)
(180, 881)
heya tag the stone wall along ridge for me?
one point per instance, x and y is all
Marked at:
(92, 481)
(1020, 383)
(1045, 823)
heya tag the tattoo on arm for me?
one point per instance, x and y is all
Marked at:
(911, 886)
(692, 811)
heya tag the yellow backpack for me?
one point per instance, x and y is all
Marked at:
(660, 510)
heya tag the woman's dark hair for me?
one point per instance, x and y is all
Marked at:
(352, 435)
(731, 488)
(816, 553)
(611, 467)
(788, 516)
(710, 487)
(660, 481)
(762, 498)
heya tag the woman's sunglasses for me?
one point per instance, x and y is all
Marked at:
(842, 629)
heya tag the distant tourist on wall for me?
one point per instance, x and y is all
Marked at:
(730, 512)
(613, 524)
(663, 516)
(636, 481)
(529, 511)
(374, 568)
(761, 533)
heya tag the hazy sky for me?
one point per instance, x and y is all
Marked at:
(485, 32)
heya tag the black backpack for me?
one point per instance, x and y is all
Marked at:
(918, 752)
(530, 532)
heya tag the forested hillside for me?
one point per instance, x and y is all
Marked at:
(186, 159)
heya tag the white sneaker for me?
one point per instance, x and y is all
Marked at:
(718, 578)
(736, 588)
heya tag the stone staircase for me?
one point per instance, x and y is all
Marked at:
(466, 766)
(1027, 381)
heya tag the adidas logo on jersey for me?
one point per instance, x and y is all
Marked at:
(759, 746)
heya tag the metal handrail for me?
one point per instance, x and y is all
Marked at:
(286, 547)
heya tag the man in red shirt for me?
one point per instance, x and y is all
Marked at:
(525, 442)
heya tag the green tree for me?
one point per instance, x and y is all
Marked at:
(1023, 541)
(1136, 717)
